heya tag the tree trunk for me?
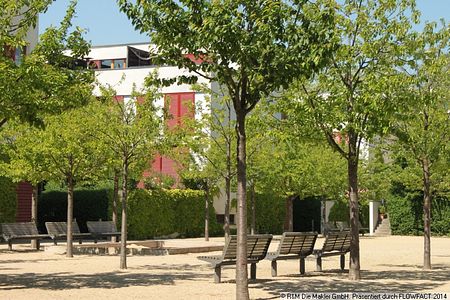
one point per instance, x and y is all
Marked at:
(289, 214)
(354, 268)
(114, 202)
(226, 224)
(241, 253)
(426, 214)
(206, 212)
(69, 252)
(323, 212)
(123, 240)
(252, 199)
(34, 200)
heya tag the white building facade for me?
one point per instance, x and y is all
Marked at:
(125, 67)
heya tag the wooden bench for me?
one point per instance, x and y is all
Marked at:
(16, 231)
(58, 230)
(293, 245)
(336, 243)
(330, 227)
(102, 229)
(342, 225)
(257, 246)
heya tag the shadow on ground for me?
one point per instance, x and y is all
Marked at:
(19, 261)
(63, 280)
(336, 281)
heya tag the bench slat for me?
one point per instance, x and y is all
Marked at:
(293, 245)
(21, 230)
(257, 246)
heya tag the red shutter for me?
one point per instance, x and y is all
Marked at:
(24, 191)
(179, 106)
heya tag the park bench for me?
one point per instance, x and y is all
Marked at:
(330, 227)
(342, 225)
(16, 231)
(336, 243)
(102, 229)
(257, 246)
(58, 230)
(293, 245)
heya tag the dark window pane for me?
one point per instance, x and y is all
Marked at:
(105, 64)
(18, 55)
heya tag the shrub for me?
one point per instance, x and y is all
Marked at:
(162, 212)
(406, 214)
(339, 212)
(89, 205)
(270, 213)
(8, 200)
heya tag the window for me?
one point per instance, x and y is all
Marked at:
(93, 64)
(138, 58)
(119, 63)
(18, 55)
(106, 64)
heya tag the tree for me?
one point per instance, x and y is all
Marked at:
(350, 100)
(210, 139)
(17, 18)
(422, 126)
(251, 48)
(130, 129)
(44, 80)
(293, 160)
(63, 150)
(22, 162)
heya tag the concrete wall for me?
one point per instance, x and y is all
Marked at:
(219, 202)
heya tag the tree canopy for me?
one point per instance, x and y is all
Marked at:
(251, 48)
(50, 73)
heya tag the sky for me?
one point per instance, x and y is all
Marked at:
(106, 25)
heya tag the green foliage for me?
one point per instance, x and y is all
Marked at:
(64, 149)
(130, 131)
(271, 41)
(14, 29)
(406, 214)
(89, 205)
(339, 212)
(158, 181)
(270, 212)
(46, 80)
(8, 200)
(162, 212)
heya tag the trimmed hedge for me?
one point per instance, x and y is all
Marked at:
(340, 211)
(406, 214)
(163, 212)
(89, 205)
(8, 200)
(270, 213)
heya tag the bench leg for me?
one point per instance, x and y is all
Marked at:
(318, 263)
(253, 271)
(302, 265)
(274, 268)
(55, 242)
(10, 245)
(80, 242)
(217, 273)
(342, 262)
(38, 244)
